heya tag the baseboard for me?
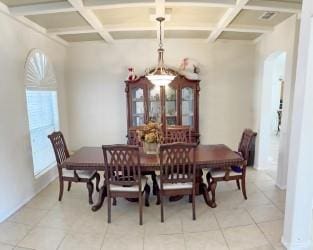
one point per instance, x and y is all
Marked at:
(281, 187)
(308, 245)
(25, 201)
(298, 246)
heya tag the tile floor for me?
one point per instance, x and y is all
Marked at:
(236, 224)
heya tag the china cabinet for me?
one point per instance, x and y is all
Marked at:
(173, 105)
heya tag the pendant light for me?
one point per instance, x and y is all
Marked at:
(161, 76)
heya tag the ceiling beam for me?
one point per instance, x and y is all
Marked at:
(40, 29)
(110, 28)
(274, 6)
(44, 8)
(226, 19)
(92, 19)
(100, 4)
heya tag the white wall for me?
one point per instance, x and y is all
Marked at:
(17, 182)
(97, 102)
(282, 39)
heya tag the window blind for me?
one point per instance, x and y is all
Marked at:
(43, 119)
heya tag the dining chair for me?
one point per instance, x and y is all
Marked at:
(137, 142)
(85, 176)
(123, 175)
(177, 173)
(236, 173)
(177, 134)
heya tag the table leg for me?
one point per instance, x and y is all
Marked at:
(102, 195)
(202, 189)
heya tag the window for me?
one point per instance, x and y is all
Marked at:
(43, 120)
(42, 109)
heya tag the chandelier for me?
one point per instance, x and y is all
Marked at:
(161, 76)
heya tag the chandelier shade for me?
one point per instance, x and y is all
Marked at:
(161, 76)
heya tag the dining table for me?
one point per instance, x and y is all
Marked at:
(208, 157)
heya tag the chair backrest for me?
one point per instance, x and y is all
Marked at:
(178, 134)
(136, 140)
(59, 147)
(177, 161)
(122, 165)
(245, 143)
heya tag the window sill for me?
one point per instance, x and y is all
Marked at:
(45, 170)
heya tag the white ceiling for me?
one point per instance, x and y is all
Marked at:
(109, 20)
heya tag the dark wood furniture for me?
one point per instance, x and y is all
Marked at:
(173, 105)
(236, 172)
(206, 157)
(177, 173)
(178, 134)
(123, 175)
(61, 154)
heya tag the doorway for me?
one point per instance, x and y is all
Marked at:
(272, 104)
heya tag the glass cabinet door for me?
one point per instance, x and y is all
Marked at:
(154, 104)
(170, 106)
(187, 106)
(138, 107)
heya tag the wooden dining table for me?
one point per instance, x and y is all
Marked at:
(206, 157)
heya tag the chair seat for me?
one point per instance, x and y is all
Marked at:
(174, 186)
(86, 174)
(134, 188)
(221, 173)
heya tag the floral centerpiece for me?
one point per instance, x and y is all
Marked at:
(151, 136)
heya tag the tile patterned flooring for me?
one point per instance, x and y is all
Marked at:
(236, 224)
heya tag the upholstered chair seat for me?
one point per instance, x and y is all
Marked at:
(178, 185)
(126, 188)
(80, 173)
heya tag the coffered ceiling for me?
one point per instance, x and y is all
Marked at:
(70, 21)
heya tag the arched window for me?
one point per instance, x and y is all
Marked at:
(42, 108)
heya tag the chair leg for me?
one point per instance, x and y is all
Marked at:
(190, 198)
(61, 189)
(162, 208)
(243, 187)
(147, 194)
(213, 185)
(209, 180)
(193, 205)
(238, 184)
(97, 181)
(158, 196)
(154, 183)
(90, 191)
(69, 185)
(140, 208)
(109, 208)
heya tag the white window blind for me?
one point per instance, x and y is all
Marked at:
(43, 120)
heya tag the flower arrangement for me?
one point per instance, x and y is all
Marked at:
(151, 133)
(151, 136)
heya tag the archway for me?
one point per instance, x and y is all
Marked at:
(272, 104)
